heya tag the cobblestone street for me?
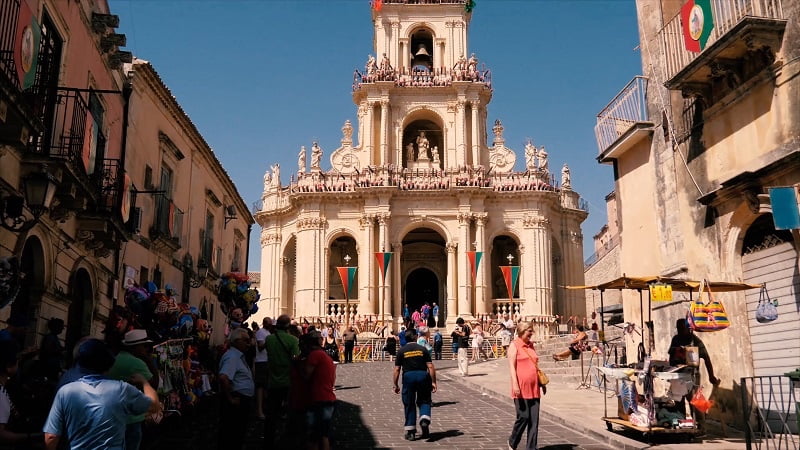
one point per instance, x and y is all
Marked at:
(369, 415)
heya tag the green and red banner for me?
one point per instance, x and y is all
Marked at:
(348, 276)
(383, 262)
(377, 5)
(697, 21)
(26, 45)
(511, 276)
(474, 259)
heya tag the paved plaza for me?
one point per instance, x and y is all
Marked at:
(369, 415)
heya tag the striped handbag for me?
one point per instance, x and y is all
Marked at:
(710, 316)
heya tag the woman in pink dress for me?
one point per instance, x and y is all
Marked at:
(525, 389)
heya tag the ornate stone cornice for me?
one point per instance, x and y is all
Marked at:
(269, 238)
(464, 218)
(311, 223)
(535, 221)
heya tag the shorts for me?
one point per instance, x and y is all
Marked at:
(261, 374)
(319, 418)
(574, 349)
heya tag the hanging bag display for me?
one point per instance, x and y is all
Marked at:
(767, 310)
(710, 316)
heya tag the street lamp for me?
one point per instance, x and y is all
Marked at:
(39, 189)
(202, 273)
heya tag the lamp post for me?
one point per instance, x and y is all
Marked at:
(39, 189)
(202, 273)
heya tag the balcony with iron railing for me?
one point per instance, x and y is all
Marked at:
(25, 103)
(416, 78)
(746, 36)
(624, 121)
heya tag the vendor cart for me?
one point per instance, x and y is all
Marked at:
(643, 369)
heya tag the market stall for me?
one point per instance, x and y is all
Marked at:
(642, 410)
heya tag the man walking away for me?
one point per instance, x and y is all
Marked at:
(437, 344)
(282, 348)
(350, 340)
(461, 334)
(261, 370)
(237, 387)
(419, 382)
(92, 412)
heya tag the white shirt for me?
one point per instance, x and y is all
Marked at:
(261, 336)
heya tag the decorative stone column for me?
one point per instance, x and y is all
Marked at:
(461, 155)
(397, 283)
(383, 291)
(481, 295)
(310, 291)
(452, 311)
(464, 278)
(270, 273)
(573, 271)
(384, 130)
(367, 127)
(366, 293)
(537, 264)
(475, 104)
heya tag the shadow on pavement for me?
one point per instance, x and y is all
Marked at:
(438, 404)
(349, 429)
(439, 435)
(559, 447)
(477, 375)
(344, 388)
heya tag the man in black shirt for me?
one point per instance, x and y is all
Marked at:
(685, 338)
(461, 335)
(419, 382)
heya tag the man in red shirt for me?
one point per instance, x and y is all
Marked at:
(320, 376)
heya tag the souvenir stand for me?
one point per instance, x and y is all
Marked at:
(644, 417)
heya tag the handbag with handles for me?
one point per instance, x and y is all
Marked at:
(767, 310)
(543, 378)
(710, 316)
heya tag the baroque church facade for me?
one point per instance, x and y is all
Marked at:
(423, 183)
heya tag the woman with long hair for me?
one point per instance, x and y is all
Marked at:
(525, 388)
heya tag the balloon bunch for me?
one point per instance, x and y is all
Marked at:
(159, 312)
(236, 298)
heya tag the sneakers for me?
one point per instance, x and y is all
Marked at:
(425, 425)
(410, 436)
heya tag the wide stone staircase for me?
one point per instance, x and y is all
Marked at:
(569, 371)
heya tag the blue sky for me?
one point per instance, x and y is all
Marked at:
(260, 78)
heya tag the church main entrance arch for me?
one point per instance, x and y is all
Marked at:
(422, 286)
(424, 270)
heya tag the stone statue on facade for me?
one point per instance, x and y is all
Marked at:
(267, 180)
(422, 147)
(347, 132)
(276, 175)
(472, 65)
(543, 164)
(371, 65)
(530, 156)
(386, 65)
(435, 153)
(301, 160)
(566, 182)
(410, 152)
(316, 157)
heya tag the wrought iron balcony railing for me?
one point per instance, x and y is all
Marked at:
(168, 223)
(426, 2)
(726, 15)
(441, 77)
(110, 186)
(628, 108)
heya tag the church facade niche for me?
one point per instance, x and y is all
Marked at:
(423, 142)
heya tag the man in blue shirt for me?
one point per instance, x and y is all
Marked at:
(238, 388)
(92, 412)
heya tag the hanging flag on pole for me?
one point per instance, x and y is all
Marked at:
(383, 262)
(474, 262)
(348, 276)
(510, 275)
(697, 21)
(785, 210)
(377, 5)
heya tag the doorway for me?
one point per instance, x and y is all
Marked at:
(422, 286)
(79, 320)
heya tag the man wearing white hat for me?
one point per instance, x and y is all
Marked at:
(134, 359)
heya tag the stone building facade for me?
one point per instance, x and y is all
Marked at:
(75, 127)
(421, 182)
(696, 143)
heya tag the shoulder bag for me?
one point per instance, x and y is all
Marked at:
(767, 310)
(543, 378)
(710, 316)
